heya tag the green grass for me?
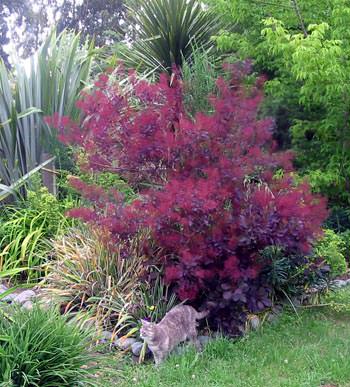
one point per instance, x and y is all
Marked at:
(40, 348)
(308, 352)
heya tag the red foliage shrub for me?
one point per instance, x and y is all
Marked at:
(207, 187)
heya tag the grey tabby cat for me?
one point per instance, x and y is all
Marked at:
(178, 325)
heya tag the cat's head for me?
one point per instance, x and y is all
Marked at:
(148, 330)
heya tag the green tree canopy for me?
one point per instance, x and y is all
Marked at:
(303, 46)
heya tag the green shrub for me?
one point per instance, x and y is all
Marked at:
(53, 210)
(106, 180)
(26, 230)
(292, 275)
(39, 348)
(339, 219)
(338, 300)
(332, 248)
(345, 236)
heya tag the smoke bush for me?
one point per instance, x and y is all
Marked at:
(208, 188)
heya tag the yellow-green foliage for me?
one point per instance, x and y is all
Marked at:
(318, 61)
(332, 248)
(304, 47)
(339, 300)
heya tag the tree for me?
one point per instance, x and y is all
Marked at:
(104, 20)
(319, 62)
(168, 30)
(32, 20)
(21, 12)
(304, 51)
(244, 21)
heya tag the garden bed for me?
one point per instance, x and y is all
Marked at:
(209, 168)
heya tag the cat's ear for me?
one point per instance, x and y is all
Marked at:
(146, 323)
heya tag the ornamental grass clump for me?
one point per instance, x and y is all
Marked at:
(208, 191)
(87, 275)
(39, 348)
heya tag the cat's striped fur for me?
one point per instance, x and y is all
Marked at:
(178, 325)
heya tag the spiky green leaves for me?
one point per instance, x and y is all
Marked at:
(167, 32)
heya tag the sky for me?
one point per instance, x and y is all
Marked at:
(10, 48)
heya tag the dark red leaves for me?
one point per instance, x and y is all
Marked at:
(207, 188)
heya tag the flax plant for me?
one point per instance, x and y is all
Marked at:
(49, 83)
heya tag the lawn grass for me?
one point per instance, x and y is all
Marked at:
(308, 352)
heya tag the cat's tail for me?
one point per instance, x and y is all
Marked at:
(201, 315)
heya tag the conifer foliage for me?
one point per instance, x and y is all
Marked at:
(208, 188)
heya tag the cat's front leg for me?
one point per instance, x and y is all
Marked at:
(159, 358)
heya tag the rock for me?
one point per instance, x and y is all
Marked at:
(28, 305)
(45, 302)
(106, 336)
(3, 288)
(276, 311)
(124, 343)
(272, 317)
(24, 296)
(296, 301)
(204, 340)
(10, 297)
(254, 322)
(136, 348)
(7, 298)
(339, 283)
(278, 308)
